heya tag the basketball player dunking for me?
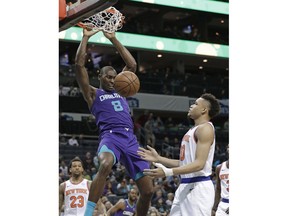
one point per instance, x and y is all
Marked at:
(117, 141)
(195, 194)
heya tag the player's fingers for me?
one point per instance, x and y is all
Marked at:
(142, 149)
(142, 154)
(149, 172)
(149, 147)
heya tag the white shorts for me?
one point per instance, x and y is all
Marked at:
(193, 199)
(221, 210)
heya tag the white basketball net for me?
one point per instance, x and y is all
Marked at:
(108, 20)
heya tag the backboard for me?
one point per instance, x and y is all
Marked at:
(82, 9)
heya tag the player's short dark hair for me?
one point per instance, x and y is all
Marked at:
(75, 159)
(214, 104)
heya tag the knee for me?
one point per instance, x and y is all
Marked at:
(105, 167)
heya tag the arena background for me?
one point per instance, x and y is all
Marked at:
(38, 140)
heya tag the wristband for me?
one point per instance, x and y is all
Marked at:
(167, 171)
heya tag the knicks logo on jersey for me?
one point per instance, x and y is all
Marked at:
(186, 138)
(72, 191)
(185, 141)
(182, 152)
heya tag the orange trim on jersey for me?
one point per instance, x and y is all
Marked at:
(87, 185)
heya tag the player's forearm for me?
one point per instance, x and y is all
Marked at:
(189, 168)
(81, 51)
(168, 162)
(110, 211)
(129, 60)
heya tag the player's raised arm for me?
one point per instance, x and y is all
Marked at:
(129, 60)
(120, 205)
(81, 72)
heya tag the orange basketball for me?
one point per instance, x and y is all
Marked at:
(126, 83)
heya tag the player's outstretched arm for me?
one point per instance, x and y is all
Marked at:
(81, 72)
(205, 136)
(129, 60)
(120, 205)
(150, 154)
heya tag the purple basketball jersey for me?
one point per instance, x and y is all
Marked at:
(129, 210)
(115, 124)
(111, 111)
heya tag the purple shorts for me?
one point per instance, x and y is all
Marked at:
(122, 143)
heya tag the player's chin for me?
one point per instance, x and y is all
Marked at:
(109, 88)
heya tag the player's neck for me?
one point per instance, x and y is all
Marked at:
(200, 121)
(131, 203)
(76, 179)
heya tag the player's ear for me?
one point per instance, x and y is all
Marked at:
(204, 110)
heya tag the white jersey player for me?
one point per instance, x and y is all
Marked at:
(195, 194)
(221, 203)
(73, 193)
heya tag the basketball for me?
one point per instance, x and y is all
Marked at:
(126, 83)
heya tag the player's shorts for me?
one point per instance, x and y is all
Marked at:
(222, 208)
(122, 143)
(193, 199)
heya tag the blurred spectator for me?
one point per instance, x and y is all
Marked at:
(165, 90)
(174, 183)
(73, 141)
(86, 176)
(63, 90)
(80, 139)
(131, 184)
(74, 92)
(62, 140)
(161, 206)
(169, 201)
(63, 170)
(143, 118)
(169, 123)
(226, 125)
(122, 188)
(96, 162)
(88, 163)
(93, 173)
(149, 132)
(137, 129)
(158, 194)
(195, 34)
(153, 211)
